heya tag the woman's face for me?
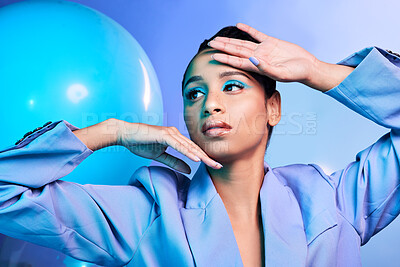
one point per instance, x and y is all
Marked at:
(217, 92)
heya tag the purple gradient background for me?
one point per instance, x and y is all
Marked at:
(314, 128)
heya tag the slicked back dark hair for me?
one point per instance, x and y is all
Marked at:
(268, 84)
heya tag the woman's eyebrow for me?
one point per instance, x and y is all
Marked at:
(193, 79)
(221, 75)
(231, 73)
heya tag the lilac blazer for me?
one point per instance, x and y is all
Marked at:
(163, 218)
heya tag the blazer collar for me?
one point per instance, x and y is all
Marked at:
(210, 233)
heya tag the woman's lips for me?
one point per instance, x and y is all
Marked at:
(214, 123)
(216, 131)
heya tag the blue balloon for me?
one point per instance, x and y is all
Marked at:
(60, 60)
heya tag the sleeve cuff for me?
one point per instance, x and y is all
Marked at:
(371, 87)
(49, 154)
(47, 128)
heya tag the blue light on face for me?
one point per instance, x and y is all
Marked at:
(190, 92)
(235, 83)
(228, 84)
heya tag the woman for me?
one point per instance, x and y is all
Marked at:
(243, 213)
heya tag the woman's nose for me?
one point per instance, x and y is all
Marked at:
(213, 104)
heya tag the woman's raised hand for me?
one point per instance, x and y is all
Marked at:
(151, 141)
(280, 60)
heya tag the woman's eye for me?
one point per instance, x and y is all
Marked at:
(230, 86)
(192, 94)
(234, 84)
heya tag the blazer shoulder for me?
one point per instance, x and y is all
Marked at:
(301, 175)
(310, 185)
(315, 194)
(162, 183)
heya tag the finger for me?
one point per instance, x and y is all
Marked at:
(181, 146)
(201, 154)
(186, 148)
(237, 62)
(198, 151)
(170, 138)
(189, 144)
(173, 162)
(259, 36)
(248, 44)
(232, 49)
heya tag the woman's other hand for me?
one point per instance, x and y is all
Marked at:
(152, 141)
(280, 60)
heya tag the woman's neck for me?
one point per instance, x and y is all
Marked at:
(238, 183)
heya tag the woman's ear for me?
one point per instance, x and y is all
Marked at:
(274, 108)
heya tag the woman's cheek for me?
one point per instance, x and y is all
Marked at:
(260, 124)
(255, 117)
(190, 121)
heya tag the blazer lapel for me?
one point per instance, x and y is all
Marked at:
(210, 233)
(284, 237)
(208, 228)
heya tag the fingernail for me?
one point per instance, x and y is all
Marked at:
(186, 170)
(209, 43)
(212, 56)
(218, 165)
(197, 158)
(254, 61)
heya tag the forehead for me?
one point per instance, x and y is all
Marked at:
(204, 67)
(202, 61)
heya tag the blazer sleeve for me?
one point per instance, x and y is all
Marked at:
(94, 223)
(367, 190)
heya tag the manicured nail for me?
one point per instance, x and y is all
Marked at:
(212, 56)
(218, 165)
(197, 158)
(209, 43)
(254, 61)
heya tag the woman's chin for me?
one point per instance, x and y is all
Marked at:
(219, 150)
(216, 148)
(222, 156)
